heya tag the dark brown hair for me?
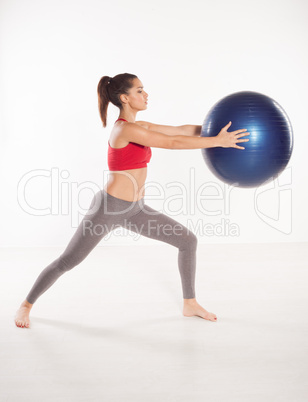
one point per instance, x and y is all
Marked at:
(109, 89)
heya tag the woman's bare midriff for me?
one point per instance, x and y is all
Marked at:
(127, 185)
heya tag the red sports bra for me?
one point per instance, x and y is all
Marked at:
(132, 156)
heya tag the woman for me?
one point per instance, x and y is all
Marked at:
(121, 202)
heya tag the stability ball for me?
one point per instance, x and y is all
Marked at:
(270, 144)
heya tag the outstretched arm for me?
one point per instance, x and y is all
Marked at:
(187, 129)
(140, 135)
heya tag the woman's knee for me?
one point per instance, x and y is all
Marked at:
(68, 261)
(189, 241)
(193, 239)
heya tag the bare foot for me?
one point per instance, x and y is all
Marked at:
(191, 308)
(22, 315)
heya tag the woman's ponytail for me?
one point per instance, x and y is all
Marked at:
(109, 90)
(103, 98)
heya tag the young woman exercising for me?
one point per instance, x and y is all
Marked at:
(121, 202)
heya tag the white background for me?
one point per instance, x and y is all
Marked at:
(188, 56)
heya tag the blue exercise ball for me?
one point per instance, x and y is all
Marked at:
(270, 144)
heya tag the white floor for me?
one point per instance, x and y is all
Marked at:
(112, 329)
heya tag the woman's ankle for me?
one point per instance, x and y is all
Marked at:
(190, 301)
(25, 303)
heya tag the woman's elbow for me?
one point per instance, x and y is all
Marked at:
(175, 142)
(168, 143)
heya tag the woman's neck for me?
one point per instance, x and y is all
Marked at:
(129, 116)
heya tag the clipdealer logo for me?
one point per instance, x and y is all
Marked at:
(65, 199)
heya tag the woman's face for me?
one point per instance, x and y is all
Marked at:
(137, 97)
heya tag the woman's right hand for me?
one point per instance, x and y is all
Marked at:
(230, 139)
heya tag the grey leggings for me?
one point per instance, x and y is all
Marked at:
(107, 212)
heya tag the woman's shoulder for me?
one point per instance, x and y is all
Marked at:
(117, 140)
(144, 124)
